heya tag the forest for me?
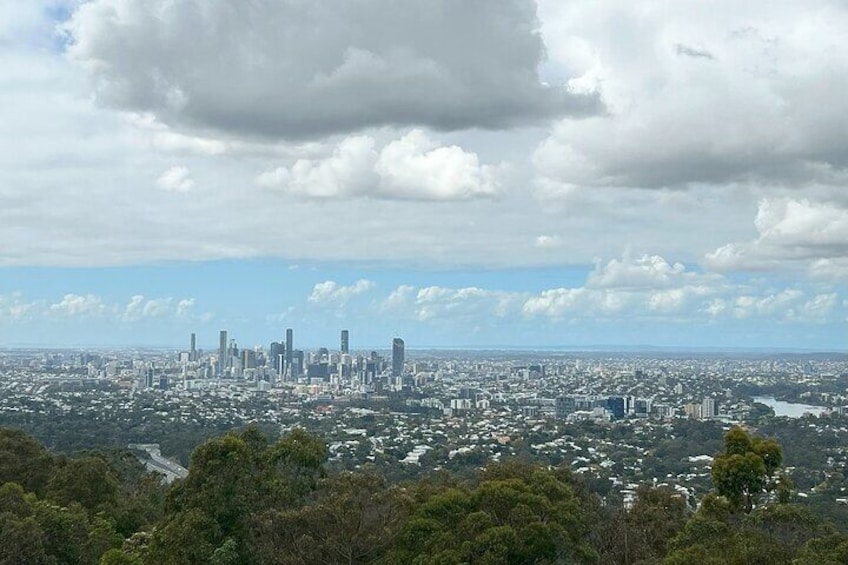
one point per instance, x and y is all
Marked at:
(249, 499)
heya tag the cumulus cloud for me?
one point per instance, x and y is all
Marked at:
(813, 235)
(14, 307)
(650, 286)
(696, 304)
(548, 242)
(184, 307)
(334, 293)
(77, 305)
(176, 179)
(616, 291)
(434, 303)
(646, 287)
(410, 168)
(671, 110)
(139, 308)
(701, 92)
(785, 305)
(312, 68)
(647, 271)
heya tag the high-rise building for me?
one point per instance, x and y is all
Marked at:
(297, 366)
(289, 350)
(276, 354)
(345, 345)
(192, 352)
(709, 408)
(222, 351)
(397, 356)
(248, 359)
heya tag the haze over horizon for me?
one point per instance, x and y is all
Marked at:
(461, 174)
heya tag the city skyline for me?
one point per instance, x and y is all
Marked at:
(512, 173)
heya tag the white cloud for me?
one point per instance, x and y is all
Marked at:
(176, 179)
(648, 271)
(139, 308)
(700, 92)
(410, 168)
(77, 305)
(184, 307)
(812, 235)
(820, 307)
(63, 147)
(437, 303)
(414, 167)
(646, 288)
(14, 307)
(311, 68)
(399, 298)
(332, 292)
(556, 302)
(548, 242)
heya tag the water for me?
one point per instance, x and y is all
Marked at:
(790, 409)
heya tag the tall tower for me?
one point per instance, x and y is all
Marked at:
(192, 352)
(397, 356)
(276, 355)
(223, 362)
(345, 345)
(289, 350)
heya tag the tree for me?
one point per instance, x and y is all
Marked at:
(232, 479)
(642, 533)
(88, 481)
(21, 541)
(352, 518)
(746, 468)
(118, 557)
(515, 514)
(24, 461)
(827, 550)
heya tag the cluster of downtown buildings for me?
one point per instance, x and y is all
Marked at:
(282, 363)
(326, 374)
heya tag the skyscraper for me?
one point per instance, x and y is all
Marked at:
(345, 345)
(276, 354)
(222, 351)
(297, 367)
(289, 350)
(709, 408)
(397, 356)
(192, 352)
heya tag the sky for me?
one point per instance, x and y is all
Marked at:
(485, 173)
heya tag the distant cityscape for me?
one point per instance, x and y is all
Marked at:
(427, 411)
(282, 363)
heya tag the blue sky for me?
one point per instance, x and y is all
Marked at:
(257, 299)
(590, 173)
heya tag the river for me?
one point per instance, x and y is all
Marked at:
(790, 409)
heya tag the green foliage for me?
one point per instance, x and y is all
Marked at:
(743, 472)
(233, 479)
(118, 557)
(642, 533)
(515, 514)
(21, 541)
(827, 550)
(73, 521)
(248, 500)
(351, 518)
(769, 535)
(88, 481)
(188, 537)
(24, 461)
